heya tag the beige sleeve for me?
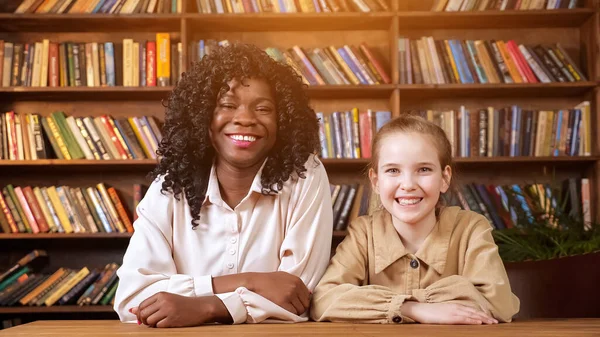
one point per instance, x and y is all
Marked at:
(341, 295)
(483, 283)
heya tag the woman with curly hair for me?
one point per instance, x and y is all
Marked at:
(236, 227)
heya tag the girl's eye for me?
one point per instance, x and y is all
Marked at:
(392, 170)
(424, 169)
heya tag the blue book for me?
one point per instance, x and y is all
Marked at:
(322, 135)
(459, 65)
(559, 126)
(109, 55)
(352, 65)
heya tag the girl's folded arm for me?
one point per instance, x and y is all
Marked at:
(483, 283)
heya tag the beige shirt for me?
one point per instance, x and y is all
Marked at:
(290, 231)
(372, 274)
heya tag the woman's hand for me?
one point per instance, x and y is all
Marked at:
(445, 313)
(166, 310)
(284, 289)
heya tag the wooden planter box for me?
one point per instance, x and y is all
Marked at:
(564, 287)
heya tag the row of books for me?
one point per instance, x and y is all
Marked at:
(430, 61)
(32, 136)
(63, 209)
(349, 202)
(348, 134)
(23, 284)
(91, 64)
(99, 6)
(332, 65)
(502, 5)
(290, 6)
(514, 131)
(509, 206)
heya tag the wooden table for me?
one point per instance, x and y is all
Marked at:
(545, 328)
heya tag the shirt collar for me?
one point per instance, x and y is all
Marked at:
(434, 250)
(213, 193)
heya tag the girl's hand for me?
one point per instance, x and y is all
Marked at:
(166, 310)
(445, 313)
(284, 289)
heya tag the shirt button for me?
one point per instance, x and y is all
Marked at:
(414, 263)
(233, 240)
(397, 319)
(230, 265)
(233, 230)
(232, 251)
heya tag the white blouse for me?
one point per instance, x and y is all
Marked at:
(290, 232)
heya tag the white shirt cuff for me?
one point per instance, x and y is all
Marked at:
(234, 304)
(203, 286)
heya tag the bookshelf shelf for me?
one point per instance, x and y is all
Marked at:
(560, 89)
(62, 236)
(330, 163)
(57, 309)
(350, 91)
(84, 93)
(265, 22)
(12, 23)
(495, 19)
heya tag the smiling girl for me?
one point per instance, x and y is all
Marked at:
(415, 260)
(236, 227)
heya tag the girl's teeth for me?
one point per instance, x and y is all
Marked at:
(405, 202)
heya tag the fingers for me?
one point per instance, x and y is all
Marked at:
(299, 308)
(146, 312)
(304, 300)
(479, 315)
(289, 307)
(156, 317)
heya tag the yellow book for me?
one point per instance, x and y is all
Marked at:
(510, 63)
(351, 76)
(58, 137)
(138, 135)
(45, 210)
(163, 59)
(60, 211)
(355, 134)
(65, 287)
(585, 135)
(32, 294)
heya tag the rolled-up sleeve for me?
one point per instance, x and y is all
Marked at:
(304, 252)
(148, 267)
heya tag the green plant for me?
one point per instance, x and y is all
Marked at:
(546, 226)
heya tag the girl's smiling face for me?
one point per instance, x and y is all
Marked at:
(409, 178)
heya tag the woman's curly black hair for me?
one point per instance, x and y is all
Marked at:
(186, 150)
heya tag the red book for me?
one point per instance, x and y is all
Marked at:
(36, 209)
(366, 135)
(151, 63)
(53, 74)
(27, 210)
(378, 66)
(113, 137)
(520, 61)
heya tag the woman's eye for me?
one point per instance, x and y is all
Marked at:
(228, 106)
(424, 169)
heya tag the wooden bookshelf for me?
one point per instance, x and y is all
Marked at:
(576, 29)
